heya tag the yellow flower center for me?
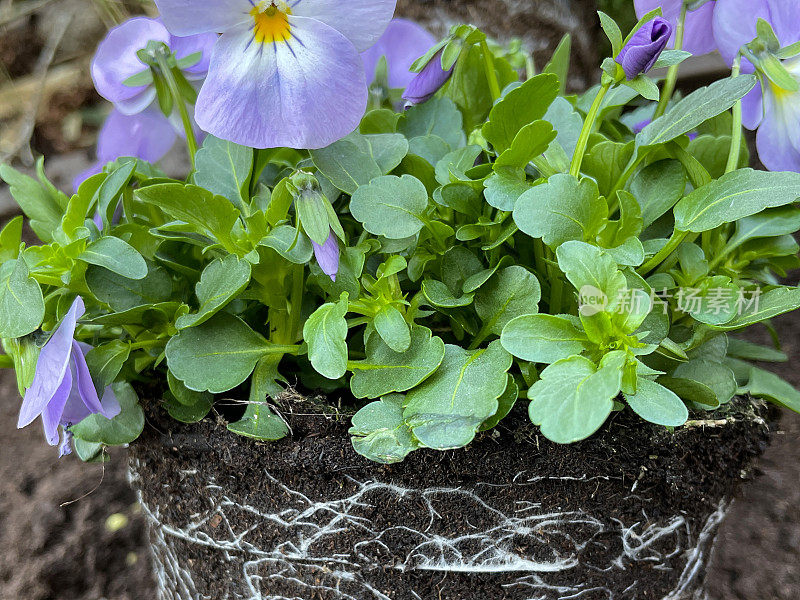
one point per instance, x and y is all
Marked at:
(272, 22)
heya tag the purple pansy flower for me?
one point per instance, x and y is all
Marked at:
(775, 112)
(402, 43)
(148, 135)
(428, 81)
(645, 46)
(282, 73)
(62, 391)
(697, 35)
(328, 256)
(116, 61)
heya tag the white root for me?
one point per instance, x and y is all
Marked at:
(303, 562)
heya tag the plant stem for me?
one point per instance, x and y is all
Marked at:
(672, 74)
(736, 130)
(588, 126)
(670, 247)
(180, 103)
(491, 75)
(296, 314)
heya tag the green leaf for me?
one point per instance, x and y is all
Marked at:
(657, 188)
(325, 332)
(560, 210)
(734, 196)
(189, 413)
(285, 241)
(504, 405)
(769, 223)
(605, 163)
(122, 294)
(453, 166)
(224, 168)
(531, 141)
(689, 379)
(90, 452)
(10, 239)
(385, 371)
(696, 108)
(122, 429)
(222, 280)
(504, 187)
(260, 423)
(574, 398)
(439, 117)
(393, 329)
(117, 256)
(391, 206)
(747, 350)
(771, 304)
(512, 292)
(388, 150)
(105, 362)
(441, 296)
(379, 432)
(108, 194)
(210, 215)
(447, 410)
(644, 86)
(544, 338)
(21, 301)
(217, 355)
(589, 266)
(519, 107)
(347, 165)
(656, 404)
(559, 62)
(612, 32)
(36, 200)
(764, 384)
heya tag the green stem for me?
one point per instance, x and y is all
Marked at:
(491, 75)
(672, 74)
(296, 314)
(177, 97)
(670, 247)
(482, 335)
(736, 131)
(530, 67)
(146, 345)
(588, 126)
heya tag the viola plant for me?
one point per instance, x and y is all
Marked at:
(498, 246)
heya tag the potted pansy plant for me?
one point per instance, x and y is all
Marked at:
(418, 323)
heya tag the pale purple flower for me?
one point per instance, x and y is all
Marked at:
(698, 37)
(282, 73)
(63, 392)
(774, 112)
(148, 135)
(328, 256)
(402, 43)
(641, 52)
(428, 81)
(116, 61)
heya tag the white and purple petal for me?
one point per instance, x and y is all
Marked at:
(402, 43)
(361, 22)
(327, 256)
(306, 92)
(428, 81)
(51, 415)
(190, 17)
(148, 135)
(116, 61)
(735, 24)
(52, 367)
(698, 37)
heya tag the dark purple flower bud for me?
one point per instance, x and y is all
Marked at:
(642, 51)
(428, 81)
(62, 392)
(328, 256)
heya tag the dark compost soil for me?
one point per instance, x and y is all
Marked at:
(615, 516)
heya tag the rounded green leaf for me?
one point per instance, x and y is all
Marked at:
(657, 404)
(122, 429)
(391, 206)
(543, 338)
(325, 332)
(21, 301)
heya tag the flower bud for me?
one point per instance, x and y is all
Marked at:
(643, 49)
(428, 81)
